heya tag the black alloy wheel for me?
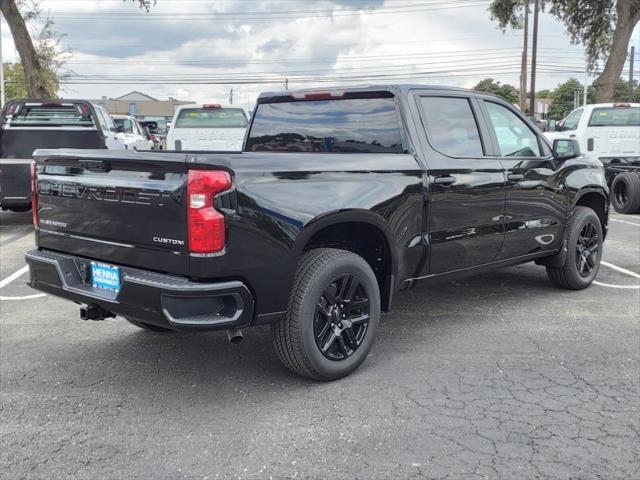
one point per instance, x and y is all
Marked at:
(583, 237)
(341, 317)
(332, 318)
(587, 249)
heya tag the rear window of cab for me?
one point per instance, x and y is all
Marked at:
(615, 117)
(348, 125)
(51, 115)
(211, 118)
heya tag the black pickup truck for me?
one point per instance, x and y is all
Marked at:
(28, 124)
(339, 199)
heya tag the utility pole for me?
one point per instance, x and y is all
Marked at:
(534, 54)
(586, 85)
(633, 53)
(286, 84)
(525, 50)
(1, 68)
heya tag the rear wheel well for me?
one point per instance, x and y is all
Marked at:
(597, 203)
(365, 240)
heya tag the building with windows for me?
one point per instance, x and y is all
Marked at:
(142, 106)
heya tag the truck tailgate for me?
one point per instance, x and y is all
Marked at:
(614, 141)
(128, 211)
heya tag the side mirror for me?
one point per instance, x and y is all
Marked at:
(552, 125)
(566, 148)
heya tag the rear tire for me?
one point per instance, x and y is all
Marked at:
(625, 192)
(332, 317)
(584, 251)
(148, 326)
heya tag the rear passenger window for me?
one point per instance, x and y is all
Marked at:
(451, 126)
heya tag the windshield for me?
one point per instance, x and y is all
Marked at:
(211, 118)
(615, 117)
(52, 115)
(125, 124)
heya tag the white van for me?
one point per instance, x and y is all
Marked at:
(209, 127)
(606, 131)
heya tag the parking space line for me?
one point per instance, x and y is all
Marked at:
(620, 269)
(26, 297)
(624, 221)
(627, 287)
(13, 276)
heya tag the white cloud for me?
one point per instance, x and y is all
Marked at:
(456, 42)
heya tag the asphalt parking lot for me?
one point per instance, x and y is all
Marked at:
(497, 376)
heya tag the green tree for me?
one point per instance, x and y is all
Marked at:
(37, 72)
(14, 83)
(546, 93)
(562, 98)
(622, 91)
(604, 27)
(508, 92)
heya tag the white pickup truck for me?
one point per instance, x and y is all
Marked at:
(609, 132)
(207, 127)
(131, 134)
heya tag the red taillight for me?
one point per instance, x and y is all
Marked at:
(34, 193)
(211, 105)
(621, 105)
(206, 224)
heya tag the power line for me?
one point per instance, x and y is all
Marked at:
(220, 17)
(261, 77)
(478, 53)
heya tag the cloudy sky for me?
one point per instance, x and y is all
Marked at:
(192, 49)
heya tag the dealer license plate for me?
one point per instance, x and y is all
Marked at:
(105, 276)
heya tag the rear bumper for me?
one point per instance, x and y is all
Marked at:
(163, 300)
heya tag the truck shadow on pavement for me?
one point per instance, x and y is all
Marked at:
(121, 357)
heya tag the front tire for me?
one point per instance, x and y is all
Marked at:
(625, 192)
(332, 318)
(584, 251)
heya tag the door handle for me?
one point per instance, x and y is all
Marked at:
(444, 180)
(515, 177)
(572, 136)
